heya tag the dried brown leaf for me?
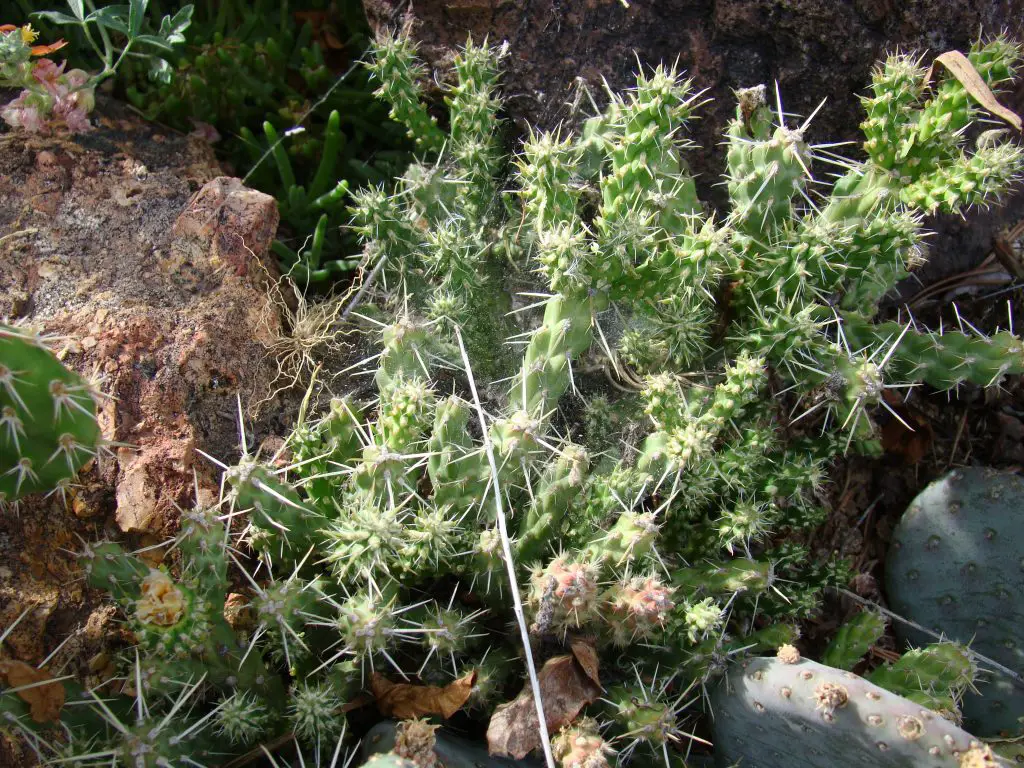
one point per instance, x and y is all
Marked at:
(960, 67)
(565, 688)
(586, 655)
(406, 700)
(45, 701)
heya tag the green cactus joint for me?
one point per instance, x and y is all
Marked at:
(936, 676)
(48, 428)
(853, 640)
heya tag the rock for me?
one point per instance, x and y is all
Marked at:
(229, 223)
(814, 49)
(130, 244)
(155, 267)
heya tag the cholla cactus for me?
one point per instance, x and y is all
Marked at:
(854, 639)
(179, 618)
(715, 478)
(935, 676)
(659, 548)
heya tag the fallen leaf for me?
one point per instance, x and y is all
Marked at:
(960, 67)
(45, 701)
(405, 700)
(565, 688)
(586, 655)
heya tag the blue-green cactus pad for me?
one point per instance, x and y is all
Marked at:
(770, 714)
(956, 566)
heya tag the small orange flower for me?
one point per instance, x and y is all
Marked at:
(45, 50)
(29, 36)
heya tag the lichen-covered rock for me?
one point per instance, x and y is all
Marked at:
(775, 715)
(955, 568)
(131, 245)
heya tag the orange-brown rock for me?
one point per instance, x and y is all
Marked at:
(155, 267)
(131, 244)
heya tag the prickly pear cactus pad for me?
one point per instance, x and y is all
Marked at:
(772, 714)
(48, 426)
(956, 567)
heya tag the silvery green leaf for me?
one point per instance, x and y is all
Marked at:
(77, 9)
(56, 17)
(136, 15)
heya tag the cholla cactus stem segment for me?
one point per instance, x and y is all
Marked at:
(506, 546)
(970, 652)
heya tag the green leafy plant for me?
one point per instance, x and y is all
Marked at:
(113, 32)
(103, 26)
(281, 86)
